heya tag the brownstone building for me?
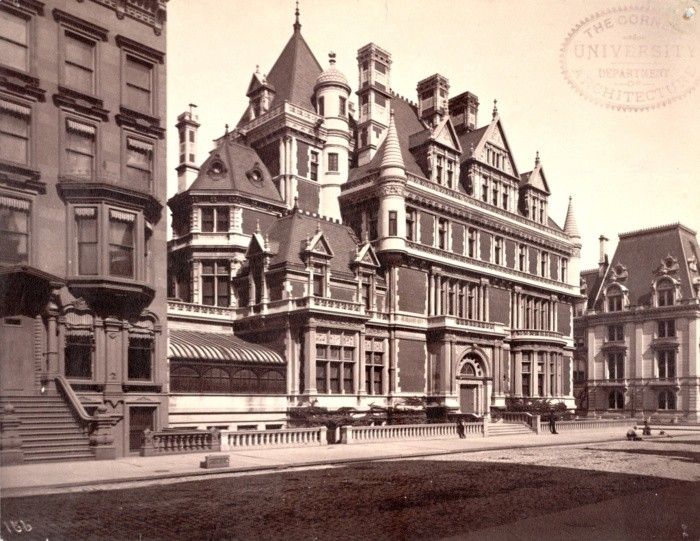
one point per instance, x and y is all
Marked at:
(82, 230)
(639, 331)
(397, 255)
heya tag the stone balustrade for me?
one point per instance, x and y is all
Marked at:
(517, 417)
(290, 437)
(172, 442)
(369, 434)
(590, 424)
(193, 309)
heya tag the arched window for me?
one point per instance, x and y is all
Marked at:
(472, 366)
(616, 400)
(245, 381)
(216, 380)
(273, 382)
(665, 293)
(667, 400)
(184, 379)
(614, 297)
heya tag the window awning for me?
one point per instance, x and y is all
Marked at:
(221, 347)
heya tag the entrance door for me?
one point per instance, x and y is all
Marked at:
(140, 419)
(468, 395)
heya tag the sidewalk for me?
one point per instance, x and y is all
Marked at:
(46, 478)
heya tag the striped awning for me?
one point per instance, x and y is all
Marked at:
(221, 347)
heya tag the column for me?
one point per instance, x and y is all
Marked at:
(310, 360)
(359, 368)
(51, 370)
(545, 387)
(392, 354)
(518, 374)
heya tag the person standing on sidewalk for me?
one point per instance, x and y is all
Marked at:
(553, 422)
(460, 428)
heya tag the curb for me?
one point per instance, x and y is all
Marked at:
(114, 484)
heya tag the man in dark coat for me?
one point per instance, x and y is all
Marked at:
(553, 422)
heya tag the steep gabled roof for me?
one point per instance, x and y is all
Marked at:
(230, 166)
(535, 178)
(593, 279)
(294, 74)
(643, 252)
(470, 141)
(478, 139)
(289, 236)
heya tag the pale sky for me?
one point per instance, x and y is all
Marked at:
(625, 170)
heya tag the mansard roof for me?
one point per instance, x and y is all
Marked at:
(294, 74)
(670, 250)
(289, 237)
(236, 167)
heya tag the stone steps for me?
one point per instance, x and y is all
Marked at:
(49, 429)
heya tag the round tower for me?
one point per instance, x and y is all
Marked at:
(331, 94)
(392, 202)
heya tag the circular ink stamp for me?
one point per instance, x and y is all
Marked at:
(634, 58)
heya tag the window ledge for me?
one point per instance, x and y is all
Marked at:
(102, 289)
(21, 176)
(141, 122)
(22, 83)
(82, 103)
(88, 190)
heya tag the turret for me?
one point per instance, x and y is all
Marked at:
(571, 229)
(187, 169)
(374, 95)
(331, 93)
(392, 203)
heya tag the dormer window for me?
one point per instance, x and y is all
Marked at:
(450, 173)
(318, 281)
(438, 170)
(614, 298)
(665, 293)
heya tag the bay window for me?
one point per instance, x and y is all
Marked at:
(107, 242)
(215, 283)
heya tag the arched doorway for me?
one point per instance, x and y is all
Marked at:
(471, 381)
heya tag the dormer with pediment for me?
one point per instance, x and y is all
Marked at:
(260, 93)
(534, 193)
(488, 169)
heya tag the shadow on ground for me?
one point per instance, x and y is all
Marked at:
(413, 499)
(684, 456)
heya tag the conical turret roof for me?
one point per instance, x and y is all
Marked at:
(392, 149)
(570, 225)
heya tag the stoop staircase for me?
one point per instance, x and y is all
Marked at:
(509, 429)
(49, 430)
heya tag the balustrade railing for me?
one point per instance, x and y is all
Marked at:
(369, 434)
(288, 437)
(180, 307)
(172, 442)
(589, 424)
(520, 333)
(517, 417)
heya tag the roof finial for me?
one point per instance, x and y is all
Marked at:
(257, 226)
(296, 202)
(495, 108)
(226, 126)
(318, 227)
(297, 24)
(537, 161)
(331, 58)
(257, 68)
